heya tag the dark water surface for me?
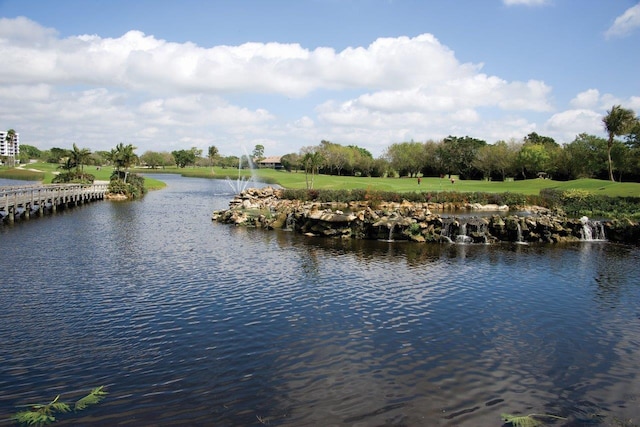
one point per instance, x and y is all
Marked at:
(189, 322)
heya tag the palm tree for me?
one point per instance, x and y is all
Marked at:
(79, 157)
(11, 138)
(312, 162)
(213, 154)
(618, 121)
(67, 164)
(123, 157)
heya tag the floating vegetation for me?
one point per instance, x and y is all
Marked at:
(42, 414)
(96, 395)
(531, 420)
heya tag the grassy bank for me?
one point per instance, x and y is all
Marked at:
(45, 172)
(297, 180)
(583, 196)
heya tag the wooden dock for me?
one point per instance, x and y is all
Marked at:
(21, 202)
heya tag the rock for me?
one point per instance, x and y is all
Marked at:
(363, 222)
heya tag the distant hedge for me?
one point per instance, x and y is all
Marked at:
(345, 196)
(572, 202)
(581, 202)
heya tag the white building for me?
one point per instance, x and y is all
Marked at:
(9, 149)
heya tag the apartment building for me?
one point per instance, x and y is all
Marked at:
(9, 149)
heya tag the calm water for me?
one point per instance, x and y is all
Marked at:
(189, 322)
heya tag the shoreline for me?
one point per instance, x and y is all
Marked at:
(418, 222)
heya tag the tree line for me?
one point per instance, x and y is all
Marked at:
(587, 156)
(535, 156)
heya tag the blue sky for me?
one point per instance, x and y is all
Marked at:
(166, 75)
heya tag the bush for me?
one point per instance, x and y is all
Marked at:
(573, 202)
(581, 202)
(73, 178)
(133, 188)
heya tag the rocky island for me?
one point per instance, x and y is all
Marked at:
(419, 222)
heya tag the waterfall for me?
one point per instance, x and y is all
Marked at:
(289, 223)
(591, 230)
(519, 237)
(445, 232)
(482, 229)
(391, 227)
(462, 234)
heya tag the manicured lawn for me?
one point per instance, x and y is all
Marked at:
(101, 174)
(399, 185)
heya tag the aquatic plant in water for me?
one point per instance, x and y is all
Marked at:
(96, 395)
(41, 414)
(531, 420)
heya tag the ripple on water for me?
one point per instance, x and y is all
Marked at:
(191, 322)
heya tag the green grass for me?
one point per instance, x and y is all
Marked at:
(21, 174)
(297, 180)
(46, 173)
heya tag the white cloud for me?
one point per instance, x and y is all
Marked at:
(626, 23)
(478, 90)
(567, 124)
(162, 95)
(587, 99)
(525, 2)
(23, 31)
(634, 103)
(145, 63)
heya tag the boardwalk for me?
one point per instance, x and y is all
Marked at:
(21, 202)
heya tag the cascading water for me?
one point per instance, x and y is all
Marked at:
(445, 231)
(482, 229)
(462, 234)
(289, 223)
(592, 231)
(519, 237)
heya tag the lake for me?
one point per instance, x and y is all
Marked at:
(190, 322)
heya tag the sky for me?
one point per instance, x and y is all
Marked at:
(167, 75)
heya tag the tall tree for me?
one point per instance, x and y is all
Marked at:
(123, 157)
(153, 159)
(79, 156)
(184, 157)
(213, 154)
(633, 138)
(586, 156)
(618, 121)
(11, 137)
(458, 154)
(533, 159)
(534, 138)
(291, 162)
(312, 161)
(28, 152)
(407, 158)
(258, 153)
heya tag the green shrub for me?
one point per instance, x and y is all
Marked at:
(573, 202)
(133, 188)
(581, 202)
(73, 178)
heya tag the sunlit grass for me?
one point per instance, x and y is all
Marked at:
(45, 172)
(21, 174)
(297, 180)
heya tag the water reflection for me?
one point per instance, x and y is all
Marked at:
(191, 322)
